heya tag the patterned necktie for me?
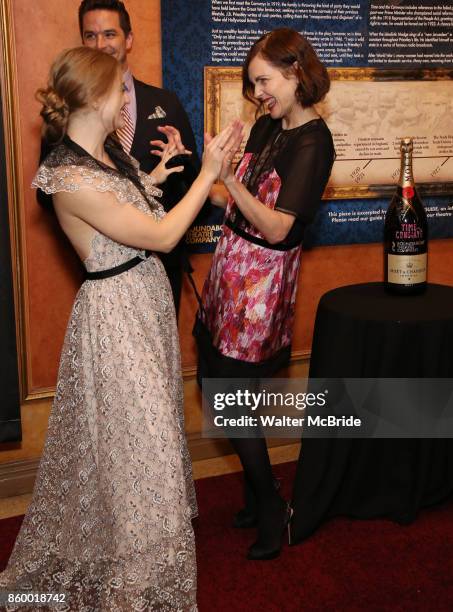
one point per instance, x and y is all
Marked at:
(126, 133)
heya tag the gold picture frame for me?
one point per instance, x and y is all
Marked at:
(368, 111)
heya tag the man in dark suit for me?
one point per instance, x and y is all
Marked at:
(105, 25)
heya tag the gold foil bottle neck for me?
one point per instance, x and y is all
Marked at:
(407, 145)
(406, 175)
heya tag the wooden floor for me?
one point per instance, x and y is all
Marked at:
(13, 506)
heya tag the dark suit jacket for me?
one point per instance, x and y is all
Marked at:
(148, 98)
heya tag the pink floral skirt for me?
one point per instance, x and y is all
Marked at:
(249, 298)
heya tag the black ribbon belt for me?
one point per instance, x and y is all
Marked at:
(259, 241)
(124, 267)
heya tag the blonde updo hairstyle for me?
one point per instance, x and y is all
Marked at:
(78, 77)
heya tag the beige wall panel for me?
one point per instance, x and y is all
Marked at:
(34, 417)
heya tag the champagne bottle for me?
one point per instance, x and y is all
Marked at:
(406, 233)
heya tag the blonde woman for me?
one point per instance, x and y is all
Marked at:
(110, 520)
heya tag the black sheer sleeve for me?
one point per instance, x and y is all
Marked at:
(304, 167)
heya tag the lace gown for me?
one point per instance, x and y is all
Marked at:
(110, 519)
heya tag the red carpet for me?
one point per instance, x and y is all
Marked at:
(347, 566)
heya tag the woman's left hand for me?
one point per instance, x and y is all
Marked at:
(166, 151)
(220, 150)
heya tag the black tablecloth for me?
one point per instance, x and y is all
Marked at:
(363, 332)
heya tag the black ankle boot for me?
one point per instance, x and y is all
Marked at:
(247, 517)
(271, 528)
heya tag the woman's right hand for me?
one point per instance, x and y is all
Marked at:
(221, 148)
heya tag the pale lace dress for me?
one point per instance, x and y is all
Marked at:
(110, 520)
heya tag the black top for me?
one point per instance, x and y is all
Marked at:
(303, 159)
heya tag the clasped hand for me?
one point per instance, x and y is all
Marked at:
(219, 151)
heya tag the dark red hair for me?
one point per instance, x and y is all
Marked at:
(282, 48)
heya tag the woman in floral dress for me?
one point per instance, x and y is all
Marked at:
(244, 327)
